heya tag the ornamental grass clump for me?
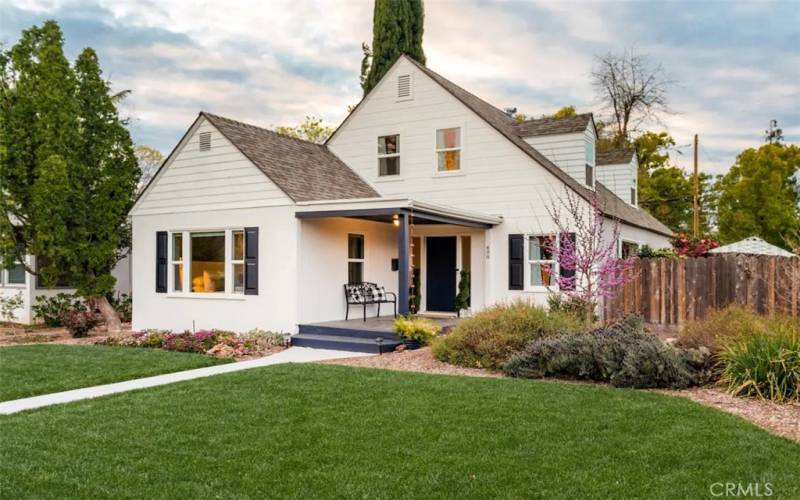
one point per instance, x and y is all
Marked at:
(623, 354)
(763, 364)
(489, 338)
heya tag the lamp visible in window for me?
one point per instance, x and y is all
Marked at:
(448, 149)
(208, 262)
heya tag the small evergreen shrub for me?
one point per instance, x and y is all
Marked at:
(51, 310)
(421, 330)
(489, 338)
(79, 322)
(764, 364)
(623, 354)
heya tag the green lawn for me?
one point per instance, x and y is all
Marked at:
(318, 431)
(41, 369)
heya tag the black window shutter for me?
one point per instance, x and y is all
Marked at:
(161, 262)
(516, 262)
(251, 261)
(567, 273)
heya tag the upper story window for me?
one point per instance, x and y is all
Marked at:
(448, 149)
(388, 155)
(589, 175)
(590, 152)
(633, 196)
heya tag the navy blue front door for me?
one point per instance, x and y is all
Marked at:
(441, 273)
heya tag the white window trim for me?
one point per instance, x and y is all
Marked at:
(460, 149)
(362, 260)
(528, 261)
(187, 292)
(234, 262)
(173, 262)
(621, 240)
(392, 155)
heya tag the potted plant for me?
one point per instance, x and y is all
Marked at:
(416, 331)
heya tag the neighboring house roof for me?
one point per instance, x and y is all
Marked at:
(753, 246)
(550, 125)
(500, 121)
(304, 170)
(614, 157)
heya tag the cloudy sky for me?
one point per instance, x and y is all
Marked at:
(272, 62)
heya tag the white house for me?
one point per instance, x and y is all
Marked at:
(244, 228)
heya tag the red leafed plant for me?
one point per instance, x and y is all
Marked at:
(686, 246)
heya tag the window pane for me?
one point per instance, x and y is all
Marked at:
(447, 138)
(589, 175)
(355, 246)
(389, 166)
(355, 272)
(208, 262)
(388, 144)
(539, 248)
(177, 246)
(238, 245)
(590, 152)
(16, 275)
(238, 278)
(177, 277)
(449, 160)
(542, 274)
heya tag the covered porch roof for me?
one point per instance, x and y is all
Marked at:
(388, 209)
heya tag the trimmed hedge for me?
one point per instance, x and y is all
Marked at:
(623, 354)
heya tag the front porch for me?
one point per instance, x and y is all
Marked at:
(375, 335)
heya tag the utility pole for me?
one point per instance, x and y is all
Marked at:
(696, 197)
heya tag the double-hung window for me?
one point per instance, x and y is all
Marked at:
(448, 149)
(207, 262)
(388, 155)
(542, 266)
(13, 276)
(355, 258)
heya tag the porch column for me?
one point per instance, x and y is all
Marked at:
(404, 264)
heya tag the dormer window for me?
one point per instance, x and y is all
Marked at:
(589, 175)
(590, 152)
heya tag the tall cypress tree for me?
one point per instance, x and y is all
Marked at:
(67, 168)
(397, 28)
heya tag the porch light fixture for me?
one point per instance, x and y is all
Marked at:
(396, 220)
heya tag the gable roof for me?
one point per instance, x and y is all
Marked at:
(614, 157)
(550, 125)
(610, 203)
(305, 171)
(753, 246)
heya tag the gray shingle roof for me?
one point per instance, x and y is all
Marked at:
(552, 126)
(609, 202)
(303, 170)
(753, 246)
(614, 157)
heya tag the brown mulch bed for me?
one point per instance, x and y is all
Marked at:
(781, 419)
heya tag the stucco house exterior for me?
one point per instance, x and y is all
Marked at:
(243, 228)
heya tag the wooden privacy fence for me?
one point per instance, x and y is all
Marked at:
(670, 292)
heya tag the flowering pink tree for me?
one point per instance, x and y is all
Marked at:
(586, 251)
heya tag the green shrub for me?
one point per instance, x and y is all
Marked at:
(722, 326)
(764, 364)
(79, 322)
(123, 304)
(624, 355)
(421, 330)
(489, 338)
(50, 310)
(571, 305)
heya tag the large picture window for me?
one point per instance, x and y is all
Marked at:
(355, 258)
(208, 262)
(388, 155)
(448, 149)
(542, 266)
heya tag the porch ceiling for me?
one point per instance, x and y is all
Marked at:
(385, 210)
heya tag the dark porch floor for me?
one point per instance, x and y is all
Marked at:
(356, 334)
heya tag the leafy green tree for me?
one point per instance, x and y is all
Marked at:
(312, 130)
(149, 159)
(565, 112)
(760, 196)
(67, 167)
(397, 28)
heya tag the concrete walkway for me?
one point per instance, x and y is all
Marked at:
(291, 355)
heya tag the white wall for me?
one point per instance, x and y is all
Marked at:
(620, 179)
(275, 306)
(568, 151)
(643, 237)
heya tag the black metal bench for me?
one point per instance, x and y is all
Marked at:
(367, 293)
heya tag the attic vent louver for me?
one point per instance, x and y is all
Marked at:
(205, 141)
(404, 87)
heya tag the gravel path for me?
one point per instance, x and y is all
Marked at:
(781, 419)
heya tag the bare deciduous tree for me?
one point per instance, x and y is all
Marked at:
(632, 88)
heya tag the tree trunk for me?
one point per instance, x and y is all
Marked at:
(109, 314)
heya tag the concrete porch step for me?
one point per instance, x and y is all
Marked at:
(365, 333)
(345, 343)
